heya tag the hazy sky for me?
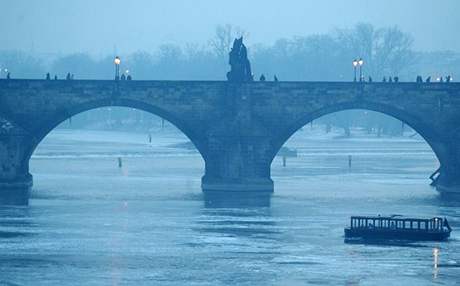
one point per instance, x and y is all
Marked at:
(98, 26)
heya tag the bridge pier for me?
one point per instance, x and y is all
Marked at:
(15, 180)
(448, 151)
(15, 191)
(238, 149)
(237, 164)
(448, 182)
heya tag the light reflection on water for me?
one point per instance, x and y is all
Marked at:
(90, 223)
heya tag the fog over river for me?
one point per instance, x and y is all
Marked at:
(148, 223)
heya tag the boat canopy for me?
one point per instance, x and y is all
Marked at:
(396, 222)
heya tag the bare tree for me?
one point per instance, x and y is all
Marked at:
(386, 51)
(393, 51)
(222, 41)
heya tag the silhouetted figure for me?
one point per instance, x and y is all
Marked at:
(262, 77)
(55, 77)
(48, 76)
(129, 77)
(8, 75)
(419, 79)
(396, 79)
(384, 79)
(370, 79)
(428, 79)
(448, 78)
(67, 77)
(275, 78)
(123, 77)
(441, 79)
(390, 79)
(240, 66)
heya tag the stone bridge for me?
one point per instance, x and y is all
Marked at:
(237, 127)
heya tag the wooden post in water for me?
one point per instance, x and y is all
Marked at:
(435, 257)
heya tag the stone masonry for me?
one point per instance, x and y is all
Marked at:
(237, 127)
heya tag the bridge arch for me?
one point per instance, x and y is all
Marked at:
(420, 125)
(60, 116)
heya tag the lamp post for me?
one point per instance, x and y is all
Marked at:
(355, 65)
(117, 62)
(360, 63)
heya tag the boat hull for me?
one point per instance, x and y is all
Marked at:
(395, 234)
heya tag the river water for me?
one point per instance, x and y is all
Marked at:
(90, 222)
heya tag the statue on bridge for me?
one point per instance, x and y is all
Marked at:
(239, 63)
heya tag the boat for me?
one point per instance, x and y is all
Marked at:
(396, 227)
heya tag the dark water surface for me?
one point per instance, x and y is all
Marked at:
(92, 223)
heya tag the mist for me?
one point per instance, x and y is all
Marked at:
(208, 142)
(100, 27)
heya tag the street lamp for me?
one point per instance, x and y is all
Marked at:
(355, 65)
(117, 62)
(361, 63)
